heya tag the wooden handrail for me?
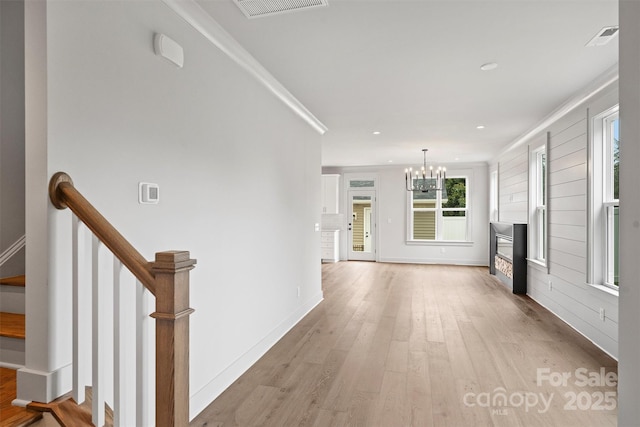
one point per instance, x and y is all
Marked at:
(167, 277)
(64, 195)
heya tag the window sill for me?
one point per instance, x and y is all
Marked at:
(439, 243)
(606, 289)
(536, 263)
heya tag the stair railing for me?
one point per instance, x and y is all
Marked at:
(167, 278)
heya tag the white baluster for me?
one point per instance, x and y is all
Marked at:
(98, 336)
(150, 365)
(119, 347)
(81, 309)
(78, 386)
(142, 357)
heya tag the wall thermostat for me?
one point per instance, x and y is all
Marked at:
(148, 193)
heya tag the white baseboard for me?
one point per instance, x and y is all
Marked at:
(41, 386)
(207, 394)
(452, 261)
(572, 326)
(13, 366)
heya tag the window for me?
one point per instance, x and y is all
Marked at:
(362, 183)
(604, 160)
(538, 205)
(440, 215)
(611, 200)
(493, 197)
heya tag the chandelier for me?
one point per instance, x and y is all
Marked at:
(423, 183)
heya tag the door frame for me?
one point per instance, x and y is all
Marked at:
(356, 255)
(347, 177)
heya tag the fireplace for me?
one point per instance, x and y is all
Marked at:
(504, 255)
(508, 250)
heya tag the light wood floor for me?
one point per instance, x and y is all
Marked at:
(419, 345)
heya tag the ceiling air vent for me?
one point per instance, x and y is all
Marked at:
(258, 8)
(603, 37)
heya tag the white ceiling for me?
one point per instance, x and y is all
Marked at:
(411, 70)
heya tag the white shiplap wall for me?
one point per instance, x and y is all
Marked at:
(562, 287)
(513, 181)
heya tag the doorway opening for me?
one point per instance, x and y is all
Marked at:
(361, 225)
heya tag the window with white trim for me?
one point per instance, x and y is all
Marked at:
(440, 215)
(611, 202)
(493, 197)
(538, 205)
(605, 201)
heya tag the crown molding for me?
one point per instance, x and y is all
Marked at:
(202, 22)
(598, 85)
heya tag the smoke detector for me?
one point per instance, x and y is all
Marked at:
(603, 37)
(259, 8)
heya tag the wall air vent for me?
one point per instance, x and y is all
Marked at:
(603, 37)
(259, 8)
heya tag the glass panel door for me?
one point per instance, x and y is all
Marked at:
(361, 225)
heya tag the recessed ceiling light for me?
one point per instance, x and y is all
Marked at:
(377, 132)
(390, 161)
(489, 66)
(480, 127)
(457, 158)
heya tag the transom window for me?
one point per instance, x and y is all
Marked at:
(362, 183)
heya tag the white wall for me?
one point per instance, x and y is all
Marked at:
(12, 172)
(629, 366)
(392, 217)
(218, 144)
(570, 297)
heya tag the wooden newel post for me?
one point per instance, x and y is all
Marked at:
(171, 271)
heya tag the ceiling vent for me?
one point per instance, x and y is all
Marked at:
(258, 8)
(603, 37)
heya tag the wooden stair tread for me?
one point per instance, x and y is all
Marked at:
(12, 325)
(66, 411)
(13, 281)
(69, 414)
(13, 416)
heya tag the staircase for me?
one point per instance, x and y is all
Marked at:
(165, 281)
(12, 333)
(12, 321)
